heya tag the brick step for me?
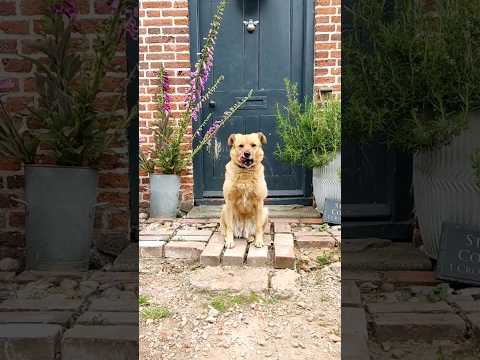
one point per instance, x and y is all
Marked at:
(421, 326)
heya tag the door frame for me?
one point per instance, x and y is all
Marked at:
(307, 89)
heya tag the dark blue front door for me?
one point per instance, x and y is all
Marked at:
(258, 60)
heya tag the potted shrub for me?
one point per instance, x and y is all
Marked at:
(413, 76)
(166, 161)
(60, 158)
(311, 137)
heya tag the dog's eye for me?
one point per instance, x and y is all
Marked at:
(253, 145)
(240, 146)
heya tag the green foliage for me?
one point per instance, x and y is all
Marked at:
(143, 300)
(68, 84)
(16, 141)
(325, 259)
(310, 133)
(476, 167)
(223, 302)
(412, 72)
(155, 312)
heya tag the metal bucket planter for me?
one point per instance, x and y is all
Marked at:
(60, 209)
(327, 183)
(444, 186)
(164, 190)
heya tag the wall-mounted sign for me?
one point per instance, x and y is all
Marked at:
(459, 257)
(332, 211)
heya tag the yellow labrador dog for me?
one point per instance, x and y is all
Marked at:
(244, 190)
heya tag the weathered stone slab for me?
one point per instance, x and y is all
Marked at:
(211, 255)
(151, 249)
(30, 276)
(6, 276)
(359, 245)
(355, 335)
(423, 327)
(217, 238)
(113, 305)
(227, 279)
(411, 277)
(315, 241)
(361, 275)
(184, 249)
(29, 341)
(108, 318)
(396, 256)
(475, 321)
(118, 342)
(236, 255)
(114, 277)
(350, 294)
(257, 256)
(283, 283)
(154, 230)
(36, 317)
(127, 260)
(154, 237)
(410, 307)
(51, 303)
(469, 306)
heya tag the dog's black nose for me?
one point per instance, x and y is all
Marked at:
(246, 154)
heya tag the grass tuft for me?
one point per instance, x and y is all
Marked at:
(223, 302)
(155, 312)
(325, 259)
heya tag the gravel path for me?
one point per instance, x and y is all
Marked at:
(305, 326)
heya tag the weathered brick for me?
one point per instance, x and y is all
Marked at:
(184, 249)
(280, 227)
(211, 255)
(411, 277)
(410, 307)
(257, 256)
(100, 342)
(108, 318)
(315, 241)
(30, 341)
(151, 249)
(36, 317)
(236, 255)
(424, 327)
(284, 255)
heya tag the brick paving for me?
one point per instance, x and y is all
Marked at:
(200, 239)
(69, 316)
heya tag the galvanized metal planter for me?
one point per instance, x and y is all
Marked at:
(444, 186)
(164, 190)
(327, 183)
(60, 210)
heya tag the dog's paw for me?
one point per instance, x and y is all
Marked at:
(258, 243)
(229, 244)
(251, 239)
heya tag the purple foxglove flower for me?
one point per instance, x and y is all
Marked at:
(166, 101)
(132, 23)
(65, 7)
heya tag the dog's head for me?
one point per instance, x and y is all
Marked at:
(246, 150)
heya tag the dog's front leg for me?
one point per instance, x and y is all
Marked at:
(228, 224)
(259, 225)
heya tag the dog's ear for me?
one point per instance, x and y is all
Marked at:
(262, 137)
(231, 139)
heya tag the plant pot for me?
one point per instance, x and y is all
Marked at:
(444, 186)
(60, 211)
(326, 182)
(164, 191)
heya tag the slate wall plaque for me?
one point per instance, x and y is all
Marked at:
(332, 211)
(459, 257)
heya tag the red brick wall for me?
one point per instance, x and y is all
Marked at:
(164, 39)
(328, 45)
(20, 25)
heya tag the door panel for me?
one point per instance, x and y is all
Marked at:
(260, 61)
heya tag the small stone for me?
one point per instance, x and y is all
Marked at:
(388, 287)
(386, 346)
(334, 338)
(9, 264)
(295, 344)
(68, 284)
(397, 354)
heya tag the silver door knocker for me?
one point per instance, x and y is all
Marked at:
(251, 25)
